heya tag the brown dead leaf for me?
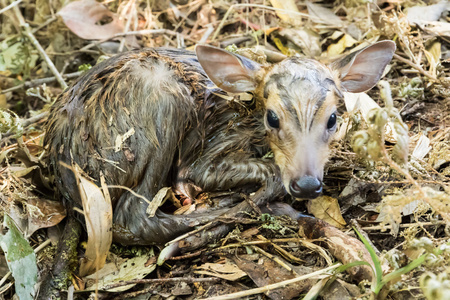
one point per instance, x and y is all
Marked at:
(340, 289)
(345, 248)
(266, 271)
(98, 224)
(43, 213)
(327, 208)
(82, 18)
(227, 270)
(33, 173)
(160, 197)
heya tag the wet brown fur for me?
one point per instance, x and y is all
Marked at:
(183, 132)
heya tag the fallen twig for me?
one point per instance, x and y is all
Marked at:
(225, 17)
(383, 227)
(273, 286)
(34, 119)
(10, 6)
(415, 66)
(139, 32)
(37, 45)
(161, 280)
(40, 81)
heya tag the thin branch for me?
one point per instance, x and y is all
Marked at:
(40, 81)
(275, 285)
(162, 280)
(10, 6)
(225, 17)
(51, 20)
(139, 32)
(409, 225)
(27, 30)
(415, 66)
(34, 119)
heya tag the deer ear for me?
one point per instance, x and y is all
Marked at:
(361, 70)
(228, 71)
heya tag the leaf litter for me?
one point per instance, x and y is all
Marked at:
(389, 171)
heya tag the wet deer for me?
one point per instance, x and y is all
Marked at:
(185, 131)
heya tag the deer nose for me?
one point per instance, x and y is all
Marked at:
(305, 187)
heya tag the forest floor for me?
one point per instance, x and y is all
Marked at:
(388, 178)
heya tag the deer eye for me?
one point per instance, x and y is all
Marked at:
(272, 119)
(331, 121)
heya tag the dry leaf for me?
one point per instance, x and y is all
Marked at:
(158, 200)
(43, 213)
(34, 173)
(339, 48)
(320, 14)
(3, 101)
(433, 55)
(120, 270)
(327, 209)
(422, 147)
(82, 17)
(227, 271)
(423, 14)
(120, 139)
(364, 103)
(438, 28)
(266, 271)
(98, 215)
(393, 206)
(288, 5)
(351, 194)
(307, 40)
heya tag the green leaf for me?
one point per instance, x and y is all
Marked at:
(377, 284)
(21, 260)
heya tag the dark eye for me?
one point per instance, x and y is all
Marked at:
(272, 119)
(331, 121)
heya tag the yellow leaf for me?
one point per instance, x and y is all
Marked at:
(433, 55)
(327, 208)
(338, 48)
(98, 225)
(289, 5)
